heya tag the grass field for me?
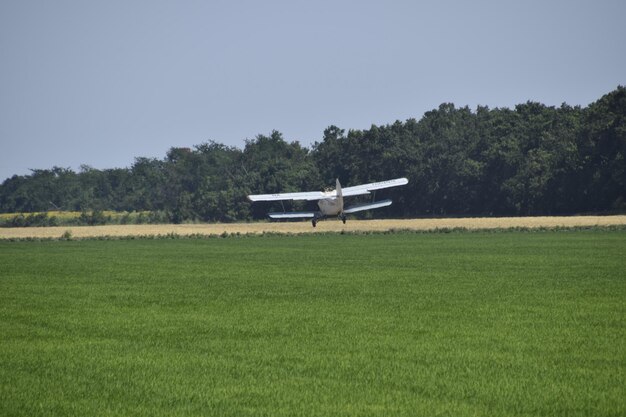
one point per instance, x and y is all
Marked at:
(459, 324)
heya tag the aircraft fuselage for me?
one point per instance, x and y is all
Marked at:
(334, 205)
(331, 206)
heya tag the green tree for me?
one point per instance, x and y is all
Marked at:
(272, 165)
(603, 149)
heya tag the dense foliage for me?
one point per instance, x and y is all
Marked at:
(530, 160)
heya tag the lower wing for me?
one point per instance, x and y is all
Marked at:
(294, 215)
(367, 206)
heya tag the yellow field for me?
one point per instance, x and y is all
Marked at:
(331, 225)
(70, 215)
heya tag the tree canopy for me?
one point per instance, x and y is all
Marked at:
(530, 160)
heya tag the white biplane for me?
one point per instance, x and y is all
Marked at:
(330, 203)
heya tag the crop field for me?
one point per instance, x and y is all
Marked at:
(329, 225)
(515, 323)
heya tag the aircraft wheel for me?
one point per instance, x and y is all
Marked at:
(314, 222)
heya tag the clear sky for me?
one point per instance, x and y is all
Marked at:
(102, 82)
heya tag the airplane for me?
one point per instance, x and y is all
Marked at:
(330, 202)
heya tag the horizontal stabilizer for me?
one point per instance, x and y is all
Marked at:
(367, 206)
(293, 215)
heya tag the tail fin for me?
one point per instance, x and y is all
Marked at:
(339, 196)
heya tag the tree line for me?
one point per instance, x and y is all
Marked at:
(530, 160)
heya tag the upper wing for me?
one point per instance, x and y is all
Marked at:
(318, 195)
(310, 195)
(366, 188)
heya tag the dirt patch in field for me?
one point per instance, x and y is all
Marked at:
(330, 225)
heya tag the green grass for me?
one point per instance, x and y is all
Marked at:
(480, 324)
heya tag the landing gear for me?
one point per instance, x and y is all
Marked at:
(343, 218)
(316, 217)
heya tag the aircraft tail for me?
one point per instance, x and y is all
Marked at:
(339, 195)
